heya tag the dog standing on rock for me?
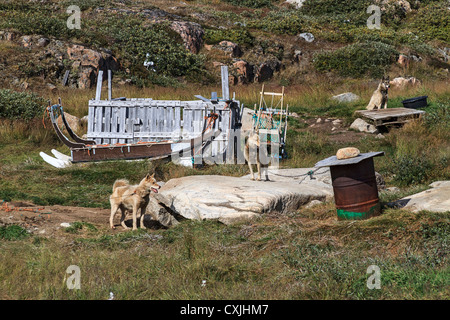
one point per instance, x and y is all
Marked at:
(380, 96)
(252, 154)
(131, 198)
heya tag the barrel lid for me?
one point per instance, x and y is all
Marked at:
(333, 161)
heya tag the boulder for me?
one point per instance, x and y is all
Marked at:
(360, 125)
(230, 48)
(230, 199)
(388, 4)
(346, 97)
(266, 70)
(403, 60)
(242, 71)
(72, 121)
(307, 36)
(401, 83)
(297, 3)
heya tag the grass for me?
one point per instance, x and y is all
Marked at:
(308, 255)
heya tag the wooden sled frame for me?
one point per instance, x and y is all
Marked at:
(87, 150)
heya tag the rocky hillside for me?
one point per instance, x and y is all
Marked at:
(173, 42)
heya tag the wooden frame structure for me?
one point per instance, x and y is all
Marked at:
(145, 128)
(271, 130)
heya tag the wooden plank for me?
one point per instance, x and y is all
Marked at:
(177, 122)
(114, 122)
(98, 122)
(390, 112)
(122, 118)
(107, 123)
(109, 135)
(91, 115)
(98, 92)
(66, 78)
(225, 83)
(122, 152)
(109, 85)
(130, 122)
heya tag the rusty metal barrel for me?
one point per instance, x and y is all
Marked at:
(354, 185)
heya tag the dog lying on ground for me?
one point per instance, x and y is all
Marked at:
(131, 198)
(380, 96)
(252, 154)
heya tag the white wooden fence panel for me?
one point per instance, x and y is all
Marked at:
(135, 120)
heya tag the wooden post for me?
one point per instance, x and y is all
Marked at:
(66, 78)
(225, 83)
(98, 93)
(109, 85)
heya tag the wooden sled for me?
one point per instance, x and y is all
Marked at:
(83, 150)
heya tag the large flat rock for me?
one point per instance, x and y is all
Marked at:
(435, 199)
(228, 199)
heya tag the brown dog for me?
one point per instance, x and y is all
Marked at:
(131, 198)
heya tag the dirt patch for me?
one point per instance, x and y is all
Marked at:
(47, 220)
(334, 129)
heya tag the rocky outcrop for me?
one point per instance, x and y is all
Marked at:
(241, 72)
(230, 48)
(87, 62)
(265, 70)
(191, 33)
(57, 56)
(435, 199)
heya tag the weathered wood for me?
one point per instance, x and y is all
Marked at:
(225, 83)
(66, 78)
(98, 92)
(109, 85)
(389, 113)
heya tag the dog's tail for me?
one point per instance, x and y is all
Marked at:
(120, 183)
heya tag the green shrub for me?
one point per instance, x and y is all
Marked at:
(20, 105)
(433, 22)
(280, 22)
(240, 36)
(357, 60)
(158, 43)
(13, 232)
(334, 7)
(411, 170)
(251, 3)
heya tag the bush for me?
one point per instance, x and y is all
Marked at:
(20, 105)
(334, 7)
(251, 3)
(280, 22)
(433, 22)
(13, 232)
(240, 36)
(411, 170)
(358, 59)
(158, 43)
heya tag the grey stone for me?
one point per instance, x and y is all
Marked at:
(360, 125)
(309, 37)
(346, 97)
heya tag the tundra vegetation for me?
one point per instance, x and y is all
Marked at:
(306, 254)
